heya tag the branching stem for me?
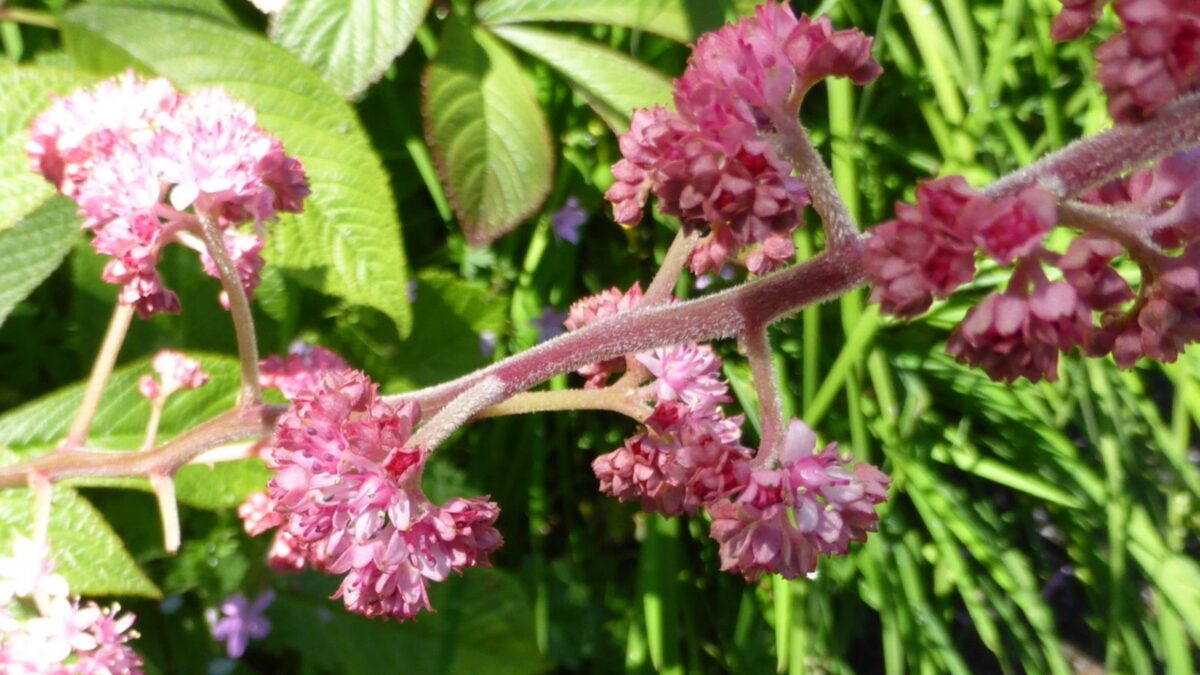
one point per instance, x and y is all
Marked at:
(758, 352)
(239, 309)
(628, 402)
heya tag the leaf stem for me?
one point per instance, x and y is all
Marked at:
(168, 509)
(613, 399)
(239, 309)
(29, 17)
(114, 337)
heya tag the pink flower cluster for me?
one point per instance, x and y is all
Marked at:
(1076, 18)
(929, 250)
(63, 636)
(711, 162)
(136, 154)
(1154, 60)
(175, 372)
(300, 370)
(787, 515)
(349, 492)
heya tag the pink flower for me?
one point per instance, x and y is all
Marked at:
(1012, 227)
(258, 514)
(1164, 323)
(593, 308)
(241, 621)
(1168, 193)
(1076, 18)
(690, 373)
(1087, 266)
(350, 492)
(787, 516)
(1154, 60)
(927, 250)
(175, 372)
(286, 554)
(245, 251)
(1010, 335)
(302, 369)
(112, 654)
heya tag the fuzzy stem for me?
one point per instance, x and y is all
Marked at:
(466, 405)
(114, 337)
(239, 308)
(238, 424)
(43, 494)
(612, 399)
(1092, 161)
(168, 509)
(156, 408)
(658, 292)
(757, 345)
(793, 143)
(1112, 224)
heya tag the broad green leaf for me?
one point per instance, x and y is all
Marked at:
(27, 91)
(614, 84)
(86, 551)
(679, 20)
(33, 249)
(482, 624)
(213, 9)
(350, 42)
(449, 314)
(120, 424)
(489, 135)
(347, 242)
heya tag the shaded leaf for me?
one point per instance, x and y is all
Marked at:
(679, 20)
(33, 249)
(614, 84)
(350, 42)
(489, 135)
(347, 242)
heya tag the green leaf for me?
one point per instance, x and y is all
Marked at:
(120, 424)
(347, 242)
(86, 551)
(614, 84)
(483, 624)
(449, 314)
(489, 135)
(350, 42)
(33, 249)
(679, 20)
(27, 91)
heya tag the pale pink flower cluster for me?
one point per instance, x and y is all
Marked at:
(809, 505)
(301, 369)
(1154, 60)
(350, 493)
(592, 309)
(175, 372)
(52, 634)
(136, 154)
(710, 162)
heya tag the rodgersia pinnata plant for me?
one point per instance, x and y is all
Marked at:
(149, 165)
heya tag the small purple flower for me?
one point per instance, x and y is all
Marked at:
(487, 343)
(242, 622)
(567, 221)
(412, 290)
(549, 323)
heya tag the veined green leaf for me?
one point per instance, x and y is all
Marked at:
(85, 550)
(614, 84)
(350, 42)
(679, 20)
(489, 135)
(33, 249)
(347, 242)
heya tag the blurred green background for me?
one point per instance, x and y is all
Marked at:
(1034, 528)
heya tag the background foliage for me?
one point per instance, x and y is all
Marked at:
(1039, 528)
